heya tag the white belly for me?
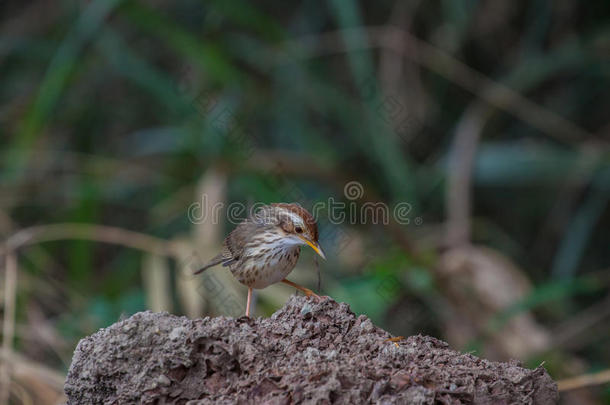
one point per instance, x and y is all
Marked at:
(274, 270)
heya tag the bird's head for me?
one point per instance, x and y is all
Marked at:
(295, 224)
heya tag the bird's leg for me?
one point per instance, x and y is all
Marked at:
(307, 291)
(249, 301)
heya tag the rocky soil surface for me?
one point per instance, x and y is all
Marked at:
(311, 353)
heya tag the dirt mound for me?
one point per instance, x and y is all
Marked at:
(314, 353)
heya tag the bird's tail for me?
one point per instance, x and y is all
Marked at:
(216, 260)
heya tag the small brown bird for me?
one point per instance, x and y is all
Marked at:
(264, 248)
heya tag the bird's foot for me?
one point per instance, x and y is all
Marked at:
(310, 293)
(306, 291)
(395, 340)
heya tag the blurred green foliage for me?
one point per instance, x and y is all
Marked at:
(113, 110)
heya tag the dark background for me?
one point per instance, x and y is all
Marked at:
(488, 122)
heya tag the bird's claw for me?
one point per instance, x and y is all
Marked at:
(309, 293)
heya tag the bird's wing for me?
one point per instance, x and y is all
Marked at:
(232, 247)
(234, 244)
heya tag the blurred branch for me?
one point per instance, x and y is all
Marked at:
(45, 233)
(569, 333)
(207, 236)
(156, 277)
(587, 380)
(8, 325)
(24, 369)
(21, 394)
(459, 173)
(446, 65)
(98, 233)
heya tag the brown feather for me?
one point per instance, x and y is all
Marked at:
(308, 219)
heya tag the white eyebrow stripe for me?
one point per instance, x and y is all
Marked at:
(295, 218)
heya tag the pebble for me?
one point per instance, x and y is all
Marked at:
(163, 380)
(176, 333)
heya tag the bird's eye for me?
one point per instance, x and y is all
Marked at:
(298, 229)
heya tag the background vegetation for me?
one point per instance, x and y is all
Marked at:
(490, 119)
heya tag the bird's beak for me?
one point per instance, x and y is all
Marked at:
(315, 246)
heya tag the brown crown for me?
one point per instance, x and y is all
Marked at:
(308, 219)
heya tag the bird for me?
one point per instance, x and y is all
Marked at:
(264, 248)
